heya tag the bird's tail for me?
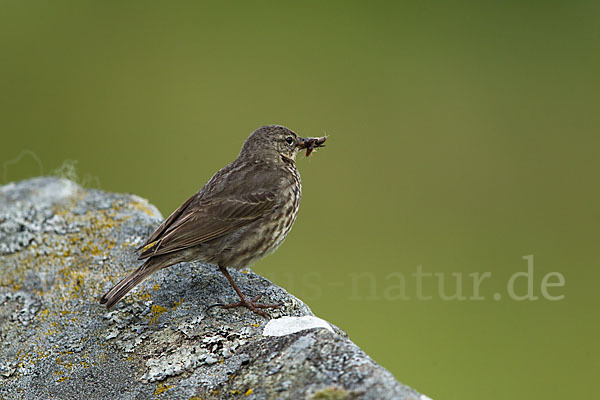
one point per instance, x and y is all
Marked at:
(115, 294)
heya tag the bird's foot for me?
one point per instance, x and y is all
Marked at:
(252, 305)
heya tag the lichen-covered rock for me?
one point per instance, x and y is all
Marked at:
(61, 247)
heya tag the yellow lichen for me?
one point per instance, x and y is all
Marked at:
(161, 388)
(156, 312)
(141, 206)
(144, 296)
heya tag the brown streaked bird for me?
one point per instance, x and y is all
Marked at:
(242, 213)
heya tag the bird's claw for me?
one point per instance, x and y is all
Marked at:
(252, 305)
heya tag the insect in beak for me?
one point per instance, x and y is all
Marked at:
(311, 143)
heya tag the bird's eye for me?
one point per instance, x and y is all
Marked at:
(289, 140)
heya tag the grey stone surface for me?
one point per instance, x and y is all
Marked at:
(62, 246)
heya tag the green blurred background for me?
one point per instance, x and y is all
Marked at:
(462, 137)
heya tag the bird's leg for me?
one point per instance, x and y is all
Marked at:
(244, 301)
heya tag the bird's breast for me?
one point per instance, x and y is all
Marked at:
(268, 233)
(284, 216)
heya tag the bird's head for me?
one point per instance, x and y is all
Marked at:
(278, 141)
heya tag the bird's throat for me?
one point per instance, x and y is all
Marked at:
(287, 160)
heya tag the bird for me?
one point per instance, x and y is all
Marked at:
(244, 212)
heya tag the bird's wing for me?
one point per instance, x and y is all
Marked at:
(167, 222)
(199, 221)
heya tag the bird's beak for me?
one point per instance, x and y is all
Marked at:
(310, 143)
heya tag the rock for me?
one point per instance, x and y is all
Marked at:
(62, 247)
